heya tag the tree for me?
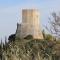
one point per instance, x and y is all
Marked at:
(47, 36)
(11, 38)
(54, 24)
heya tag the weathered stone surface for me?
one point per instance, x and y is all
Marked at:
(30, 24)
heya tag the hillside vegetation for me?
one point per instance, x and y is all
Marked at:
(30, 49)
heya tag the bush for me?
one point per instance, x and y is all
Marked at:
(11, 38)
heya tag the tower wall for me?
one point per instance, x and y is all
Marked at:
(30, 24)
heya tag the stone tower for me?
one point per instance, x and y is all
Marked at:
(30, 24)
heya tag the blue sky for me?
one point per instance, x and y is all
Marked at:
(10, 13)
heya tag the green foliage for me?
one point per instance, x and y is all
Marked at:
(11, 38)
(30, 49)
(48, 37)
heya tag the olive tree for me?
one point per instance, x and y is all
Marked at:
(54, 24)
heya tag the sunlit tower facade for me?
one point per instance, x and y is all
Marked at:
(30, 24)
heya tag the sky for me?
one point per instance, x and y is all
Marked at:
(10, 13)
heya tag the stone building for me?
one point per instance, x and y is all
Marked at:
(30, 24)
